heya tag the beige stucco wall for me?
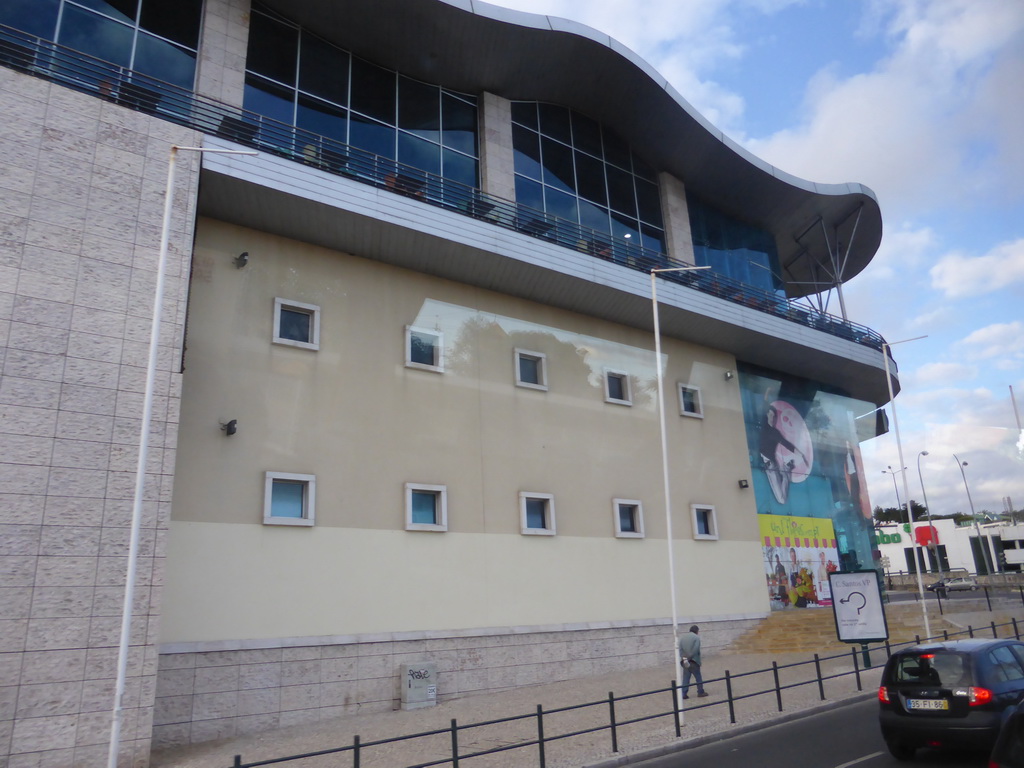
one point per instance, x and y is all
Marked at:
(356, 417)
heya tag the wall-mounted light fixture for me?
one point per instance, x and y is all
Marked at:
(729, 375)
(241, 259)
(744, 483)
(229, 427)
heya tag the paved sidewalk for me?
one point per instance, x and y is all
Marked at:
(703, 717)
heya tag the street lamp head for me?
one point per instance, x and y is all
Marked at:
(923, 453)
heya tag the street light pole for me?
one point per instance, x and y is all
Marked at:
(665, 476)
(982, 545)
(928, 511)
(894, 472)
(140, 470)
(886, 347)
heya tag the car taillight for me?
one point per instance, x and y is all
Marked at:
(883, 694)
(977, 696)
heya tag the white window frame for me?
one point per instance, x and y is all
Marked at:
(441, 494)
(542, 368)
(314, 323)
(308, 499)
(638, 518)
(438, 366)
(549, 499)
(627, 387)
(698, 398)
(712, 520)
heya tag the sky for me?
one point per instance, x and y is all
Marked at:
(923, 102)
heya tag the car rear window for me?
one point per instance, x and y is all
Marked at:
(942, 668)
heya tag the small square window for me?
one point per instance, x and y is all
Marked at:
(704, 524)
(689, 402)
(424, 349)
(426, 507)
(616, 388)
(289, 499)
(629, 518)
(296, 324)
(537, 514)
(531, 369)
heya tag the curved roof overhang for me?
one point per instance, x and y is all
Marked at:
(825, 233)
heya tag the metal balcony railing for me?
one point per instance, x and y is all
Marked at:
(134, 90)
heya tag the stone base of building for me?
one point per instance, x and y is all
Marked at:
(209, 691)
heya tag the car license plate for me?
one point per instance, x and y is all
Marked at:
(927, 704)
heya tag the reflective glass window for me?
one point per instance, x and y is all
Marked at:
(323, 69)
(459, 167)
(595, 169)
(732, 247)
(590, 179)
(372, 135)
(621, 194)
(165, 61)
(648, 202)
(624, 225)
(586, 134)
(124, 10)
(529, 193)
(652, 237)
(557, 167)
(594, 216)
(526, 152)
(560, 204)
(418, 153)
(322, 118)
(643, 170)
(459, 124)
(389, 115)
(273, 49)
(178, 21)
(269, 99)
(616, 151)
(373, 91)
(37, 17)
(525, 113)
(419, 108)
(97, 36)
(555, 122)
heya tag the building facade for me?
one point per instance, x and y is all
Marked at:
(407, 396)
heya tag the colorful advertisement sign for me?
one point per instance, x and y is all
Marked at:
(799, 554)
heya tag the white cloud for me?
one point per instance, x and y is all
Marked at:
(997, 341)
(911, 128)
(934, 374)
(959, 275)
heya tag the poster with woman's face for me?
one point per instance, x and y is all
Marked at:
(785, 446)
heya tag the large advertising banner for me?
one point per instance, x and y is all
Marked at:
(799, 555)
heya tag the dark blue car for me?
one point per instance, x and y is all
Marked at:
(949, 694)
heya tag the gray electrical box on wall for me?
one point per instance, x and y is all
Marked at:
(419, 685)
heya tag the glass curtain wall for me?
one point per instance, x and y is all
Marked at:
(572, 167)
(809, 486)
(158, 38)
(299, 79)
(734, 248)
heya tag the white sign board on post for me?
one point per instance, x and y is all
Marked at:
(857, 605)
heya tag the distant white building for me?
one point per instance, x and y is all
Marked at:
(981, 549)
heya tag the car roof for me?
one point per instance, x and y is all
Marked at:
(967, 645)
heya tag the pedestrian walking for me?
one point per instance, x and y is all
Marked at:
(689, 657)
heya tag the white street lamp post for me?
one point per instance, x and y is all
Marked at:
(140, 471)
(982, 544)
(886, 347)
(928, 512)
(665, 476)
(894, 472)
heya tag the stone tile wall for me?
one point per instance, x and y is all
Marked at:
(81, 207)
(218, 694)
